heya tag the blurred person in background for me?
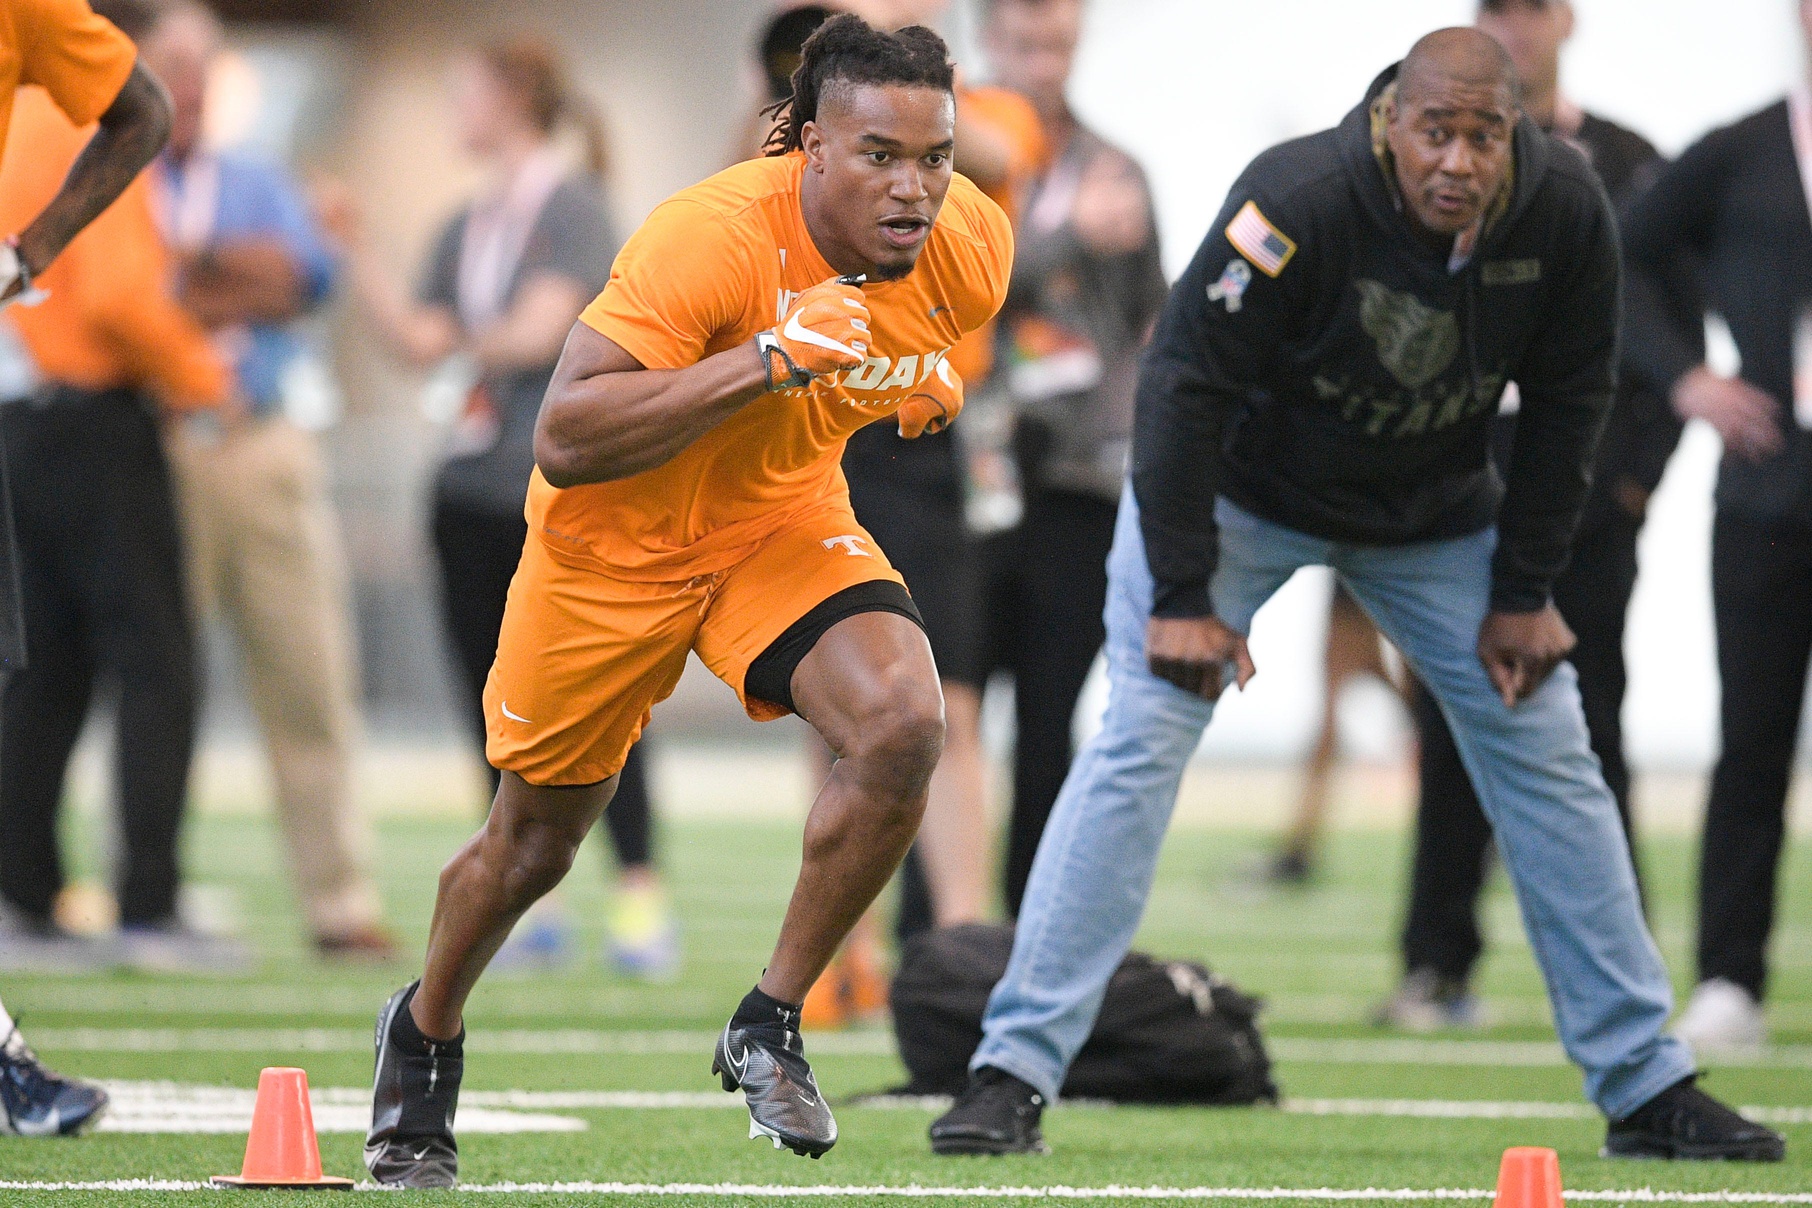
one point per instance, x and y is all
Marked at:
(1320, 391)
(259, 530)
(1354, 649)
(1735, 206)
(1441, 941)
(88, 69)
(508, 276)
(1087, 286)
(776, 59)
(911, 495)
(101, 566)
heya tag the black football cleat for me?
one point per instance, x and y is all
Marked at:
(36, 1102)
(414, 1095)
(1686, 1123)
(767, 1061)
(996, 1114)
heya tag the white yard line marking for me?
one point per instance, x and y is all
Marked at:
(144, 1106)
(501, 999)
(167, 1107)
(522, 1041)
(587, 1041)
(1492, 1052)
(769, 1191)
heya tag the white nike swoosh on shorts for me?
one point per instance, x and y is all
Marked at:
(513, 717)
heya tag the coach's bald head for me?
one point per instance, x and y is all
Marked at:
(1462, 57)
(1449, 126)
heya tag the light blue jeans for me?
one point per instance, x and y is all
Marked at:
(1539, 783)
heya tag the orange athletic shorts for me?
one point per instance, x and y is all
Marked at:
(582, 658)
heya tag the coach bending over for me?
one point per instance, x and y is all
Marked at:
(1319, 392)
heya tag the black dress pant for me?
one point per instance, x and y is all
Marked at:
(1761, 591)
(102, 574)
(1044, 589)
(1453, 839)
(478, 552)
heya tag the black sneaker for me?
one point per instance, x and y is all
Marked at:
(414, 1096)
(768, 1062)
(35, 1102)
(1685, 1122)
(996, 1113)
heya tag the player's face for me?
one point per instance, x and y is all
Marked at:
(1033, 47)
(1451, 141)
(1533, 34)
(883, 154)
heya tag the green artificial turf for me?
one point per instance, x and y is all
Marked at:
(1323, 955)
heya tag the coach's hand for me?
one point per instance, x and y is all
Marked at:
(1191, 652)
(826, 330)
(1520, 650)
(1746, 416)
(931, 407)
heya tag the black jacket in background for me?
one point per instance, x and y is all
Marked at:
(1734, 202)
(1351, 396)
(1643, 430)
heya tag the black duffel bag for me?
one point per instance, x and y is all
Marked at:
(1168, 1032)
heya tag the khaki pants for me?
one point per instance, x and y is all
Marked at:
(265, 556)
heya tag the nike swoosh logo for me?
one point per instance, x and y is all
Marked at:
(939, 310)
(808, 1100)
(423, 1153)
(738, 1066)
(796, 330)
(513, 717)
(50, 1126)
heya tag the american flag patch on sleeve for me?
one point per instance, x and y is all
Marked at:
(1268, 248)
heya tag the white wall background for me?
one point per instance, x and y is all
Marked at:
(1195, 89)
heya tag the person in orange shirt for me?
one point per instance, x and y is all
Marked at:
(689, 497)
(101, 567)
(89, 70)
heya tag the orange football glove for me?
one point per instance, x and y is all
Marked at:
(930, 408)
(825, 331)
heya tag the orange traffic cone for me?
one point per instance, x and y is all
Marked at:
(1529, 1178)
(281, 1150)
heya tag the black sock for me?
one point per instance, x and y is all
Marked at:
(408, 1036)
(757, 1008)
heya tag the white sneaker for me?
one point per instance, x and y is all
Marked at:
(1721, 1016)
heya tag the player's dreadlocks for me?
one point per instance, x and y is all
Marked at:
(846, 49)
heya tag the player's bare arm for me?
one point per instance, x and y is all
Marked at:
(606, 417)
(132, 131)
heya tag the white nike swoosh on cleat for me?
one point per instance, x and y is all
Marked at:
(795, 330)
(423, 1153)
(513, 717)
(47, 1127)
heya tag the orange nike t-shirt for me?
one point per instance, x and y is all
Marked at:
(80, 59)
(714, 265)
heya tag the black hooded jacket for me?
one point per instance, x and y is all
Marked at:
(1348, 391)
